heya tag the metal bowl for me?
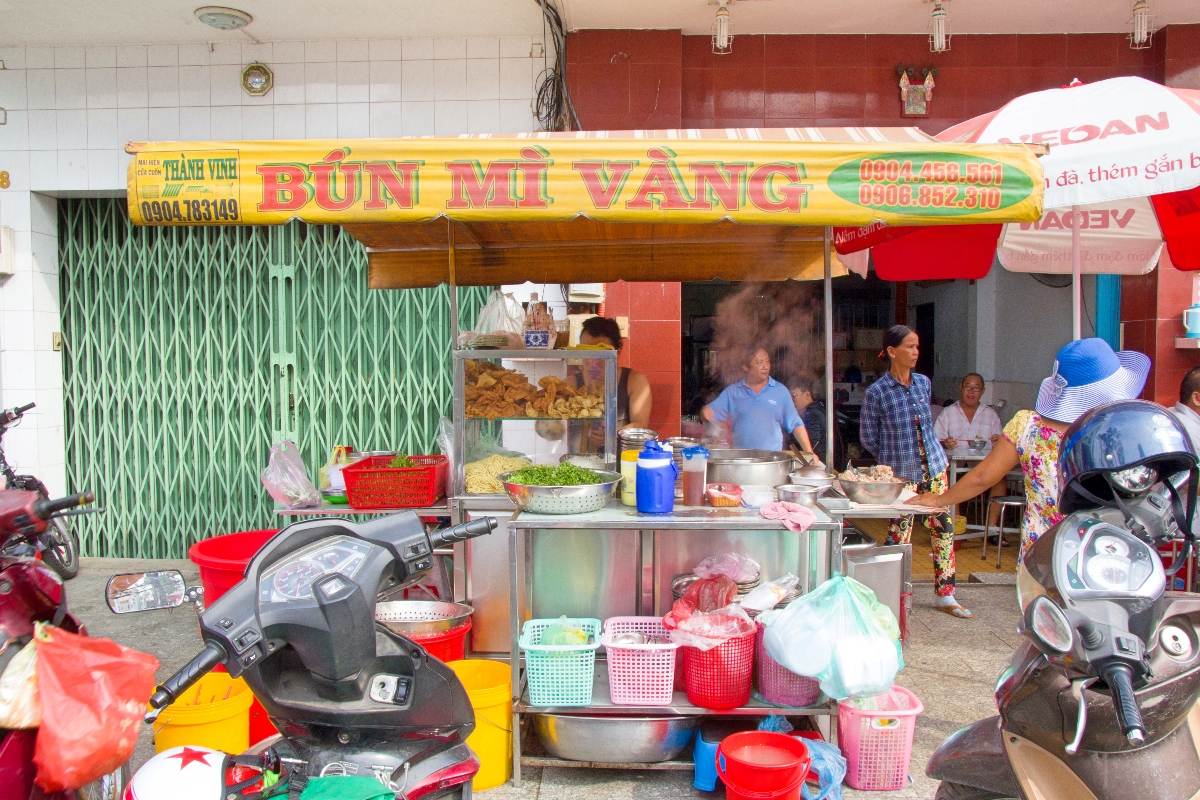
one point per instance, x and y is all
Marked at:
(799, 479)
(421, 616)
(615, 740)
(562, 499)
(795, 493)
(878, 493)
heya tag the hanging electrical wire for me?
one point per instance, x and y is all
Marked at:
(553, 106)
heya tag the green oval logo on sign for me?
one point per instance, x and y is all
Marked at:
(930, 184)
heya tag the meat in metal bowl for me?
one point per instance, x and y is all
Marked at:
(581, 499)
(874, 493)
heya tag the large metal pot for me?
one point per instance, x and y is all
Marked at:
(620, 740)
(746, 467)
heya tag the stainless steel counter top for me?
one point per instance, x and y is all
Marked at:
(616, 516)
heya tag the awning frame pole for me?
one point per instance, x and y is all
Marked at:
(453, 286)
(829, 415)
(1076, 278)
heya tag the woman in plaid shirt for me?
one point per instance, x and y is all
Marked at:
(897, 427)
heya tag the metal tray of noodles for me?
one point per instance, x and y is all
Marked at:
(421, 616)
(562, 499)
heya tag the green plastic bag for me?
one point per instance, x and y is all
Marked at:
(346, 787)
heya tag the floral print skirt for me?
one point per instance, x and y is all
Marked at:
(941, 533)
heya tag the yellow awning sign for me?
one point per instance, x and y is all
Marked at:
(555, 179)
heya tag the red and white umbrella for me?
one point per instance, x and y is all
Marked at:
(1122, 179)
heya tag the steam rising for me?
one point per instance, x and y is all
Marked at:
(782, 317)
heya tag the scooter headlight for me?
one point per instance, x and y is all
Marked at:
(1135, 479)
(1049, 625)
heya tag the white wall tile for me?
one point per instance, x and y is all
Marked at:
(418, 49)
(133, 125)
(72, 129)
(39, 84)
(386, 81)
(450, 117)
(289, 122)
(256, 100)
(320, 121)
(228, 53)
(450, 79)
(17, 162)
(49, 403)
(226, 87)
(195, 124)
(516, 78)
(72, 169)
(19, 373)
(263, 53)
(132, 55)
(258, 122)
(101, 128)
(18, 292)
(15, 135)
(320, 82)
(418, 81)
(483, 116)
(17, 216)
(483, 78)
(131, 86)
(43, 127)
(515, 46)
(287, 53)
(323, 51)
(12, 56)
(48, 367)
(70, 88)
(194, 86)
(385, 49)
(483, 47)
(193, 54)
(16, 330)
(353, 81)
(103, 172)
(101, 86)
(352, 50)
(386, 120)
(163, 125)
(417, 118)
(163, 85)
(43, 216)
(449, 48)
(44, 250)
(39, 58)
(69, 58)
(289, 84)
(353, 120)
(43, 170)
(13, 92)
(226, 123)
(516, 116)
(100, 56)
(162, 55)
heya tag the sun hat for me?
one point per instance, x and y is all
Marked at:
(1087, 373)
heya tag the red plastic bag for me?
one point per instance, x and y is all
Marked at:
(94, 693)
(703, 595)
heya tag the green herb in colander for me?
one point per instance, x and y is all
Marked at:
(565, 474)
(401, 462)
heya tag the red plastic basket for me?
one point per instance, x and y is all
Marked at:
(720, 677)
(780, 685)
(371, 483)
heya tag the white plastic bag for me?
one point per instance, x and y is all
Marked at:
(286, 477)
(20, 704)
(766, 596)
(501, 314)
(737, 567)
(705, 630)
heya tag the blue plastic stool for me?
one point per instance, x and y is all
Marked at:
(704, 751)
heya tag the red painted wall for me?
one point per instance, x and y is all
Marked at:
(655, 343)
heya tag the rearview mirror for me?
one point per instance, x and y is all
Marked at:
(145, 591)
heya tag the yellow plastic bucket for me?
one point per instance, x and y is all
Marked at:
(489, 686)
(214, 713)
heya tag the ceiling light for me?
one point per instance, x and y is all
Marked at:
(939, 28)
(223, 19)
(257, 79)
(1140, 34)
(722, 29)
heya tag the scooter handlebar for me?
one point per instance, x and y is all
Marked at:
(212, 655)
(44, 509)
(1119, 678)
(460, 533)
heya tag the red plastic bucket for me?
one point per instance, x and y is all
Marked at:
(223, 559)
(760, 765)
(446, 646)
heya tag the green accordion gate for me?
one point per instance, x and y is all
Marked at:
(188, 351)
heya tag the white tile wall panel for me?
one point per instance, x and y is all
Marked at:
(483, 47)
(43, 248)
(194, 87)
(43, 130)
(18, 291)
(193, 54)
(320, 51)
(13, 94)
(132, 89)
(103, 170)
(70, 88)
(353, 120)
(47, 375)
(43, 170)
(516, 116)
(258, 122)
(131, 55)
(69, 57)
(133, 124)
(101, 128)
(39, 85)
(289, 122)
(17, 330)
(73, 170)
(385, 49)
(386, 120)
(228, 53)
(386, 81)
(49, 404)
(39, 58)
(320, 82)
(226, 123)
(289, 84)
(418, 49)
(450, 117)
(226, 85)
(263, 53)
(101, 87)
(163, 125)
(483, 78)
(14, 137)
(454, 49)
(516, 78)
(416, 119)
(418, 81)
(13, 57)
(320, 121)
(100, 56)
(483, 116)
(450, 79)
(72, 128)
(163, 86)
(353, 81)
(195, 123)
(352, 50)
(43, 217)
(18, 176)
(19, 373)
(287, 53)
(162, 55)
(515, 46)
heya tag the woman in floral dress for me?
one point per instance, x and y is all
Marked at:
(1087, 373)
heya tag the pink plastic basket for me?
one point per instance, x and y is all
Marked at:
(878, 744)
(639, 674)
(780, 685)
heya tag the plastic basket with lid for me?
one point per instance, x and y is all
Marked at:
(877, 742)
(371, 483)
(639, 674)
(560, 674)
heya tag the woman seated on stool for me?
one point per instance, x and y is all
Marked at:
(964, 421)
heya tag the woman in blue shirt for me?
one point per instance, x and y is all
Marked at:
(760, 408)
(897, 427)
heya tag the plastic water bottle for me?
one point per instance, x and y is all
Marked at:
(656, 474)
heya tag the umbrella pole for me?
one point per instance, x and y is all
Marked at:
(1076, 278)
(453, 287)
(829, 416)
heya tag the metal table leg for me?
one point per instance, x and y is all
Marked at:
(514, 653)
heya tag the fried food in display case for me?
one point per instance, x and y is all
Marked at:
(493, 392)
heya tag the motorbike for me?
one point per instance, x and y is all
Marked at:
(1100, 699)
(57, 542)
(348, 695)
(30, 592)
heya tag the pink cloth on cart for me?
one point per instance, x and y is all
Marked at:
(796, 517)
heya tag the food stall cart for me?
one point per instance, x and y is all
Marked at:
(736, 204)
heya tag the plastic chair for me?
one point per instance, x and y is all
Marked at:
(1005, 502)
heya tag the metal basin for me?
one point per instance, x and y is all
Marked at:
(615, 740)
(562, 499)
(879, 493)
(749, 467)
(798, 478)
(421, 616)
(795, 493)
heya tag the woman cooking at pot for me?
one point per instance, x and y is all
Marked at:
(760, 408)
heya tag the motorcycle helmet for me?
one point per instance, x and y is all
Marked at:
(180, 773)
(1119, 450)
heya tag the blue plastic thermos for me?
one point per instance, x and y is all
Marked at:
(656, 474)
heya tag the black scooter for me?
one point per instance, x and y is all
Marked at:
(348, 695)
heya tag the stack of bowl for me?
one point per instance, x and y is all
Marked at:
(633, 438)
